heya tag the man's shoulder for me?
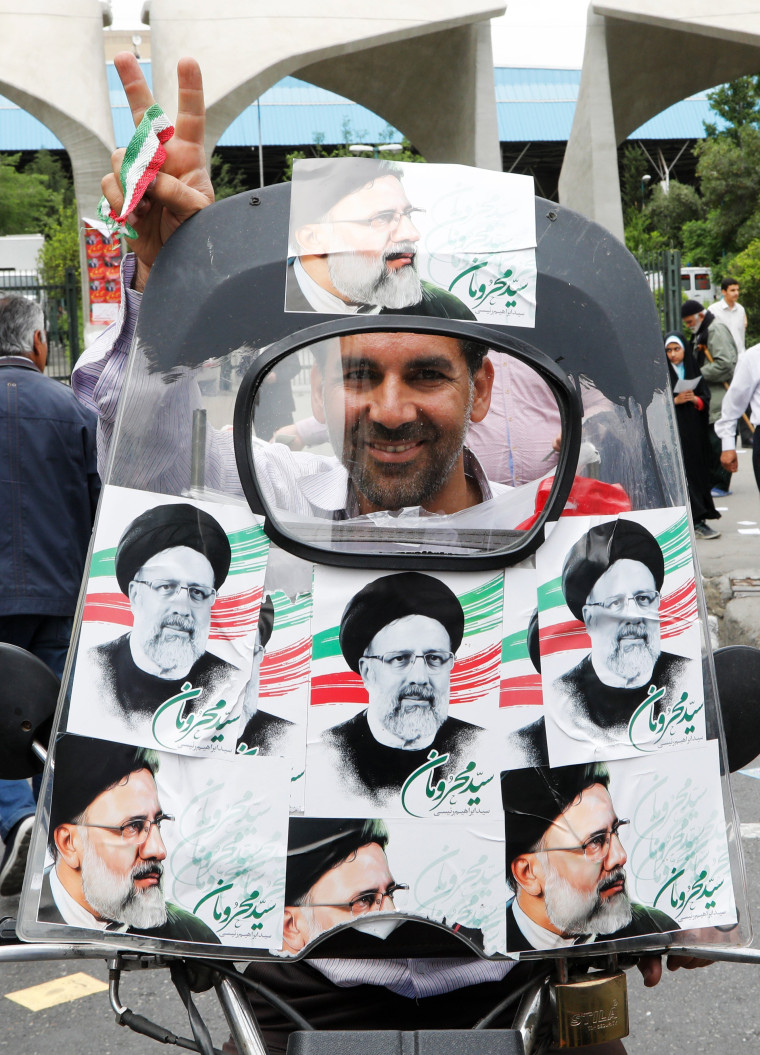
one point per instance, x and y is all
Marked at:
(646, 920)
(353, 729)
(109, 649)
(182, 925)
(436, 302)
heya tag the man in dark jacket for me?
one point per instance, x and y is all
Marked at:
(715, 352)
(49, 490)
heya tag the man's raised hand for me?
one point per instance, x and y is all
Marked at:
(183, 186)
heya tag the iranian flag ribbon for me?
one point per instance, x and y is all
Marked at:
(144, 157)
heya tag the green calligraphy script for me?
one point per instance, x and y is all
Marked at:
(174, 727)
(422, 795)
(648, 732)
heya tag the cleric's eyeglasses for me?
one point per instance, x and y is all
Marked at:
(135, 831)
(168, 588)
(645, 600)
(595, 848)
(435, 659)
(363, 903)
(381, 221)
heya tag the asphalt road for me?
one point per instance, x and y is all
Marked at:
(713, 1010)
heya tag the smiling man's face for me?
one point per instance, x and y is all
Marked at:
(397, 407)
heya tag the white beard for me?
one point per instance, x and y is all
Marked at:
(114, 895)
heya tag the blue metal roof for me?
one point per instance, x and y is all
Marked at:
(533, 105)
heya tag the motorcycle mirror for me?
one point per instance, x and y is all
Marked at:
(31, 689)
(390, 413)
(737, 671)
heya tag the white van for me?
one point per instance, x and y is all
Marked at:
(697, 284)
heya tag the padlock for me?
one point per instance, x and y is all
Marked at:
(590, 1010)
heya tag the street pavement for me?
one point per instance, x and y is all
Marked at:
(709, 1010)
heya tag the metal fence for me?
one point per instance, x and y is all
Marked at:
(663, 273)
(60, 304)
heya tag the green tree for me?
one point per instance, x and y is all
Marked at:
(668, 211)
(225, 179)
(701, 243)
(738, 103)
(61, 247)
(729, 175)
(26, 200)
(634, 164)
(58, 179)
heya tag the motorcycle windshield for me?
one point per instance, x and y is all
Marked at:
(393, 614)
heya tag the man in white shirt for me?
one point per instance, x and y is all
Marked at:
(743, 391)
(729, 311)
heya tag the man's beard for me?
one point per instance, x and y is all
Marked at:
(572, 911)
(114, 896)
(413, 722)
(633, 662)
(177, 652)
(365, 278)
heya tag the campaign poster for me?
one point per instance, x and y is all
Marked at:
(446, 241)
(360, 870)
(170, 623)
(277, 695)
(404, 694)
(103, 255)
(619, 636)
(521, 710)
(163, 846)
(632, 848)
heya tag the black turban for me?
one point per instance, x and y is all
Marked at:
(534, 650)
(164, 527)
(691, 307)
(316, 846)
(266, 621)
(395, 597)
(534, 798)
(85, 768)
(598, 549)
(321, 183)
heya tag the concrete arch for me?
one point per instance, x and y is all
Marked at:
(689, 45)
(425, 65)
(52, 64)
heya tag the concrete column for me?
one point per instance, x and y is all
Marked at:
(589, 181)
(52, 65)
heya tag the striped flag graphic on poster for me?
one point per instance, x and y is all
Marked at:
(520, 695)
(169, 623)
(431, 691)
(619, 636)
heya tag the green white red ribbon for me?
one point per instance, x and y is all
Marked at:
(144, 157)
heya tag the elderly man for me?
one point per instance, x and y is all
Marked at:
(400, 633)
(611, 580)
(352, 226)
(715, 353)
(105, 838)
(337, 872)
(49, 490)
(565, 861)
(170, 562)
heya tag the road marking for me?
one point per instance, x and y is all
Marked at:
(59, 991)
(750, 831)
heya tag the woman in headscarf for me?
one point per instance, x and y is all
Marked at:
(692, 417)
